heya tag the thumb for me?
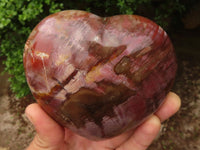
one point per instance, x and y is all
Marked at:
(49, 134)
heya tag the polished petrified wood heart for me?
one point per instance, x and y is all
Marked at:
(99, 76)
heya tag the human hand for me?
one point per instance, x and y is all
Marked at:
(51, 136)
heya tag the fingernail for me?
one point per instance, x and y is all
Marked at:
(29, 118)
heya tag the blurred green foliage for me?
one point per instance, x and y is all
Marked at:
(18, 18)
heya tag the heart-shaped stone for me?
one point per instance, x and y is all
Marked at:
(99, 76)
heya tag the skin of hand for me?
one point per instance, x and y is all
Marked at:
(51, 136)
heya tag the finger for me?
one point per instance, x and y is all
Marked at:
(170, 106)
(143, 135)
(49, 133)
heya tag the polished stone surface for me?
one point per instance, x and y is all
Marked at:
(99, 76)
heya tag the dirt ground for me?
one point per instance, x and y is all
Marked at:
(15, 130)
(181, 132)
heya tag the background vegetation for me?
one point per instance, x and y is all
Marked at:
(18, 18)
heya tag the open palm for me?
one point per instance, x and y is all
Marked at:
(51, 136)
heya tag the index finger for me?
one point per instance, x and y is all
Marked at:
(169, 107)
